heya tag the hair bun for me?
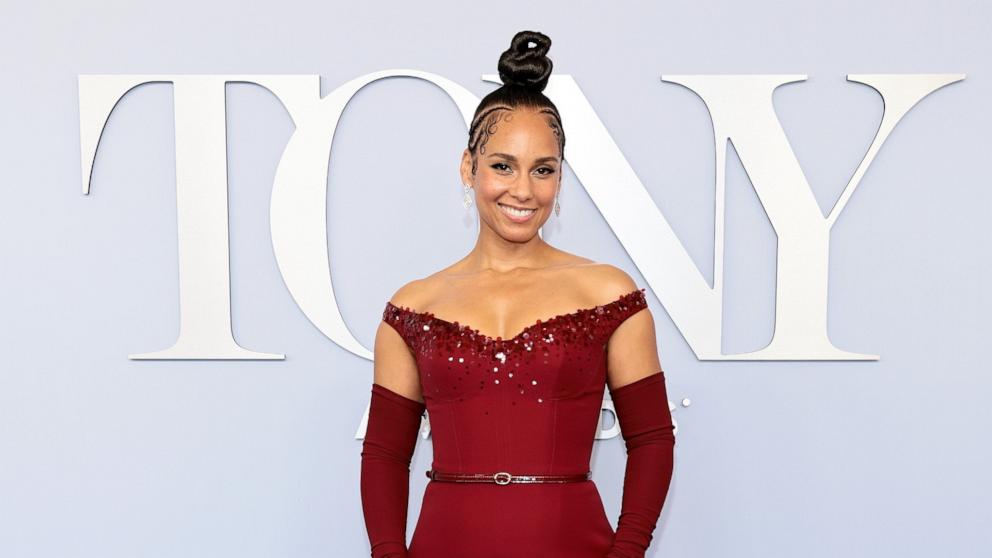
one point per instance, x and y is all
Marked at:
(526, 66)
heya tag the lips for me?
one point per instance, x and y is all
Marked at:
(516, 206)
(516, 215)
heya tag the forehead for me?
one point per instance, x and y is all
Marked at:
(523, 130)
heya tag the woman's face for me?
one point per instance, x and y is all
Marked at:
(520, 168)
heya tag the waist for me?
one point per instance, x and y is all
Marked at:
(505, 477)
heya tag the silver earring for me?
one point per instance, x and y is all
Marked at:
(557, 206)
(467, 199)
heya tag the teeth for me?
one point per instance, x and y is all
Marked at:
(516, 212)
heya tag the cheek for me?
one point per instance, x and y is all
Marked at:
(488, 188)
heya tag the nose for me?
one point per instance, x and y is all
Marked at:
(522, 189)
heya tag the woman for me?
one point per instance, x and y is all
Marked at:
(513, 394)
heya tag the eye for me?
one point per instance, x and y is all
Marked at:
(549, 169)
(498, 165)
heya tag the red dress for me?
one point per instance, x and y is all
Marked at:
(529, 404)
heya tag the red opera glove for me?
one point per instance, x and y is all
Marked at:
(647, 429)
(390, 438)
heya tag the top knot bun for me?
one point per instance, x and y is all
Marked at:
(526, 66)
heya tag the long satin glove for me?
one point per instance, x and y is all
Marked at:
(647, 429)
(390, 438)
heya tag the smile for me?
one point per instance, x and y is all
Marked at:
(517, 215)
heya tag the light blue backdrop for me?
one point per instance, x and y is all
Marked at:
(105, 457)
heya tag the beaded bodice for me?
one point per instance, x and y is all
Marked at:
(527, 404)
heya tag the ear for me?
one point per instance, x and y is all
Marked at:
(466, 167)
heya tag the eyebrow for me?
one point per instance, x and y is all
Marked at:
(509, 157)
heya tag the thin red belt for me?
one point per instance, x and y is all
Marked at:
(504, 477)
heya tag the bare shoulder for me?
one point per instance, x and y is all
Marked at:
(414, 293)
(632, 351)
(598, 282)
(606, 282)
(395, 365)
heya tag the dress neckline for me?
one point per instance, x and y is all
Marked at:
(498, 339)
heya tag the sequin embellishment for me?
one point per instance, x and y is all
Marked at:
(550, 356)
(580, 325)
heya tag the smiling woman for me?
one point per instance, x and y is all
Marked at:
(514, 385)
(516, 144)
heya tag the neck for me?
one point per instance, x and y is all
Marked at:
(494, 253)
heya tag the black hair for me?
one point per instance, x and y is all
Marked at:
(524, 71)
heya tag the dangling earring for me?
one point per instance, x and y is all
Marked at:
(467, 199)
(557, 205)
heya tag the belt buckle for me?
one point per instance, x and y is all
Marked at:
(500, 476)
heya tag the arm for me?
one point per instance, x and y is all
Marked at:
(390, 438)
(647, 429)
(637, 387)
(385, 476)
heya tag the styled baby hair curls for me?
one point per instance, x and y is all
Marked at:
(525, 71)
